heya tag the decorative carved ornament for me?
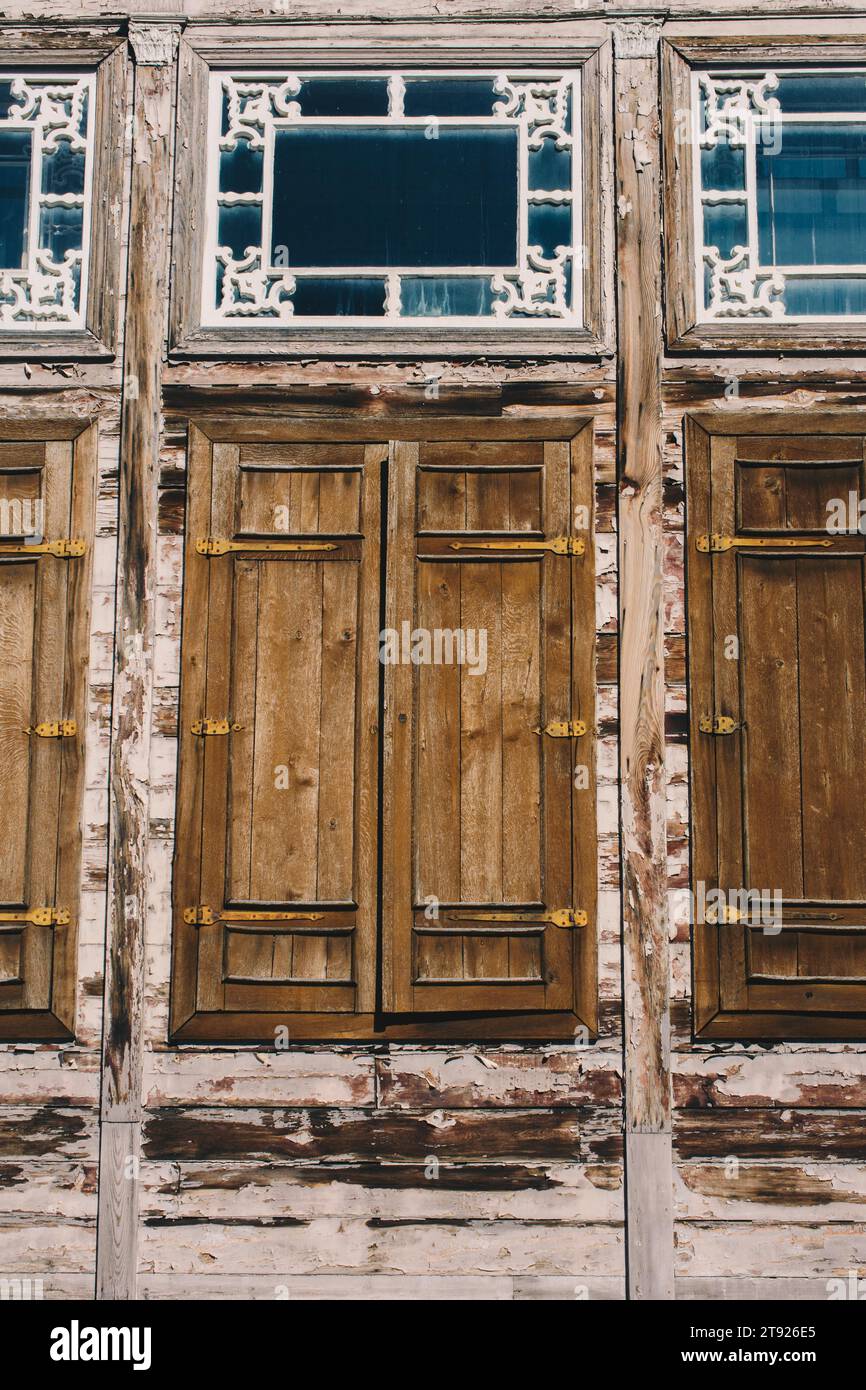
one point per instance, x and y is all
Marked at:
(735, 112)
(154, 45)
(47, 288)
(541, 109)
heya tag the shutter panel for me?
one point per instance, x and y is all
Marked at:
(778, 803)
(481, 814)
(46, 496)
(275, 876)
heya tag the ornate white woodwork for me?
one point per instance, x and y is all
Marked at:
(44, 292)
(256, 288)
(154, 45)
(742, 112)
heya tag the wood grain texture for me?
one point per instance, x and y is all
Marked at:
(133, 674)
(212, 1221)
(642, 770)
(45, 638)
(795, 686)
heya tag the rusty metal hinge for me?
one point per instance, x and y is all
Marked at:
(558, 917)
(562, 728)
(54, 728)
(716, 543)
(37, 916)
(204, 916)
(718, 724)
(560, 545)
(63, 550)
(217, 545)
(212, 728)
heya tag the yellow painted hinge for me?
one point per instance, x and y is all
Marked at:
(204, 916)
(560, 545)
(63, 550)
(717, 543)
(217, 545)
(38, 916)
(559, 917)
(211, 728)
(562, 728)
(724, 914)
(718, 724)
(55, 728)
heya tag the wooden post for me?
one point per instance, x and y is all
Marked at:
(646, 989)
(154, 46)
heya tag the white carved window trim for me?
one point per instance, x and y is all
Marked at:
(739, 102)
(42, 293)
(535, 289)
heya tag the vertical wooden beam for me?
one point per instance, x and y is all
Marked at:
(646, 990)
(154, 47)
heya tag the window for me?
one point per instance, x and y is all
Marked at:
(61, 195)
(47, 498)
(776, 569)
(46, 168)
(765, 194)
(401, 196)
(460, 726)
(781, 173)
(392, 208)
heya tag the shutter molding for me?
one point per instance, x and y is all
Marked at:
(799, 617)
(275, 870)
(46, 602)
(481, 817)
(209, 1002)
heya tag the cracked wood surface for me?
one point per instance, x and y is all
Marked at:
(317, 1136)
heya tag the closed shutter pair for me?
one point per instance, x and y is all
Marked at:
(386, 820)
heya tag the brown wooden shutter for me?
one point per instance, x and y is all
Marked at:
(275, 870)
(46, 487)
(778, 803)
(481, 815)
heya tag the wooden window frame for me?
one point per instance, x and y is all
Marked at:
(684, 333)
(57, 1022)
(188, 1024)
(457, 47)
(105, 54)
(709, 1019)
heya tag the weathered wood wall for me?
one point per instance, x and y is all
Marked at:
(489, 1171)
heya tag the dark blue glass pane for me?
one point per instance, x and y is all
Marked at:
(725, 227)
(826, 91)
(14, 197)
(388, 196)
(812, 196)
(323, 297)
(344, 96)
(6, 98)
(60, 230)
(449, 96)
(240, 227)
(446, 296)
(241, 169)
(63, 169)
(549, 226)
(820, 295)
(723, 167)
(549, 167)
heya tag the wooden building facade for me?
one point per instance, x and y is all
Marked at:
(331, 975)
